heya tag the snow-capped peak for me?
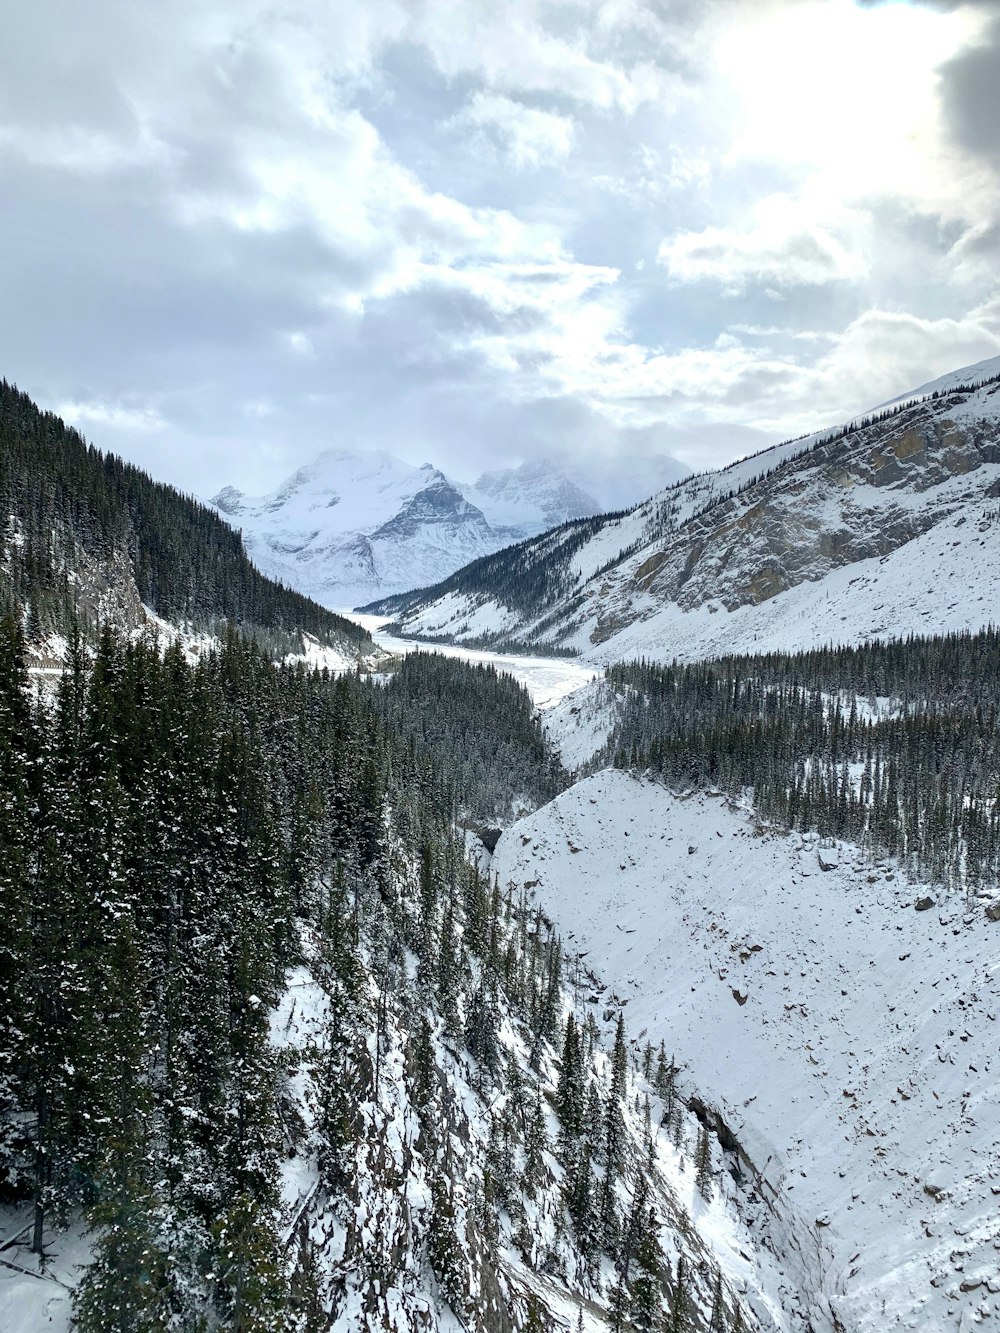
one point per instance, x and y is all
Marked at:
(354, 524)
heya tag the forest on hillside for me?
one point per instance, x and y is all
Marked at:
(71, 515)
(894, 745)
(190, 850)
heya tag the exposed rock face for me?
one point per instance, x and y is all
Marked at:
(439, 504)
(855, 498)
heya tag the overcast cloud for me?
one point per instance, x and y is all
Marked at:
(233, 233)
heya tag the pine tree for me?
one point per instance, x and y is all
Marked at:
(619, 1304)
(569, 1090)
(703, 1163)
(717, 1322)
(251, 1288)
(647, 1293)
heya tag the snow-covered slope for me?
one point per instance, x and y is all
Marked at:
(978, 373)
(350, 524)
(355, 525)
(849, 1043)
(521, 502)
(870, 529)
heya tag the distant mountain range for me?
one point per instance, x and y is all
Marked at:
(886, 525)
(355, 525)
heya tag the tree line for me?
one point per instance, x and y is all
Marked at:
(893, 745)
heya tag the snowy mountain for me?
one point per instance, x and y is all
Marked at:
(350, 524)
(354, 525)
(868, 529)
(536, 496)
(523, 501)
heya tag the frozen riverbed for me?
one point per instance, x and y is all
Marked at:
(547, 679)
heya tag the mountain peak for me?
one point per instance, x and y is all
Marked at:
(228, 500)
(353, 524)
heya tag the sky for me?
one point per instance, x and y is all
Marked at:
(471, 232)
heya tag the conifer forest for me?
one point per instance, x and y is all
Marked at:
(891, 745)
(500, 666)
(179, 841)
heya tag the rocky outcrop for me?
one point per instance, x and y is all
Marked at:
(854, 498)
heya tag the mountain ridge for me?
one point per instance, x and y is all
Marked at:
(723, 556)
(353, 525)
(88, 540)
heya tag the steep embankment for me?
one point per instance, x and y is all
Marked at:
(848, 1040)
(86, 538)
(865, 530)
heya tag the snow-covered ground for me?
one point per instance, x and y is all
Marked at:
(32, 1298)
(851, 1043)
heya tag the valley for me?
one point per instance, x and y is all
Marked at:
(548, 680)
(865, 530)
(500, 667)
(661, 997)
(846, 1040)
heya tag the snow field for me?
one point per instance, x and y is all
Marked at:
(547, 679)
(850, 1043)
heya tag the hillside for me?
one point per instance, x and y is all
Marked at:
(845, 1043)
(276, 1054)
(86, 537)
(866, 530)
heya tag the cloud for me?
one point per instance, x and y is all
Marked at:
(236, 233)
(970, 84)
(526, 136)
(779, 249)
(615, 56)
(142, 420)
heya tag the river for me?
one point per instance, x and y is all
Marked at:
(547, 679)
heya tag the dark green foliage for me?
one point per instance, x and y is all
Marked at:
(478, 724)
(703, 1163)
(918, 781)
(168, 832)
(647, 1289)
(66, 507)
(153, 859)
(717, 1322)
(443, 1248)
